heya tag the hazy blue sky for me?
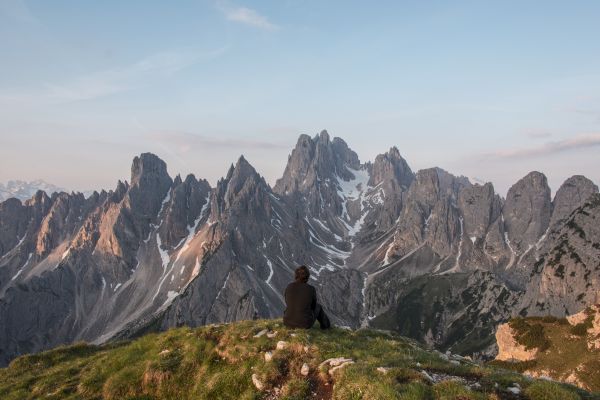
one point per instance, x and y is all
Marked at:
(490, 90)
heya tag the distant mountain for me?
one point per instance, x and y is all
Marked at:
(427, 254)
(25, 190)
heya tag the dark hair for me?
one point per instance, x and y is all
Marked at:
(302, 274)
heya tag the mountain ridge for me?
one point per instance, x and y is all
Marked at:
(166, 252)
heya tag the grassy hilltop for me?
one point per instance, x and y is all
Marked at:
(247, 360)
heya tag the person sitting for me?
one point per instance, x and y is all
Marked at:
(302, 308)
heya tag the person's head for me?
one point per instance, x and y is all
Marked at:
(302, 274)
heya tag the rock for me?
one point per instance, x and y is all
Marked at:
(271, 335)
(454, 362)
(509, 349)
(514, 390)
(268, 356)
(261, 333)
(571, 195)
(257, 383)
(527, 211)
(383, 370)
(281, 345)
(340, 366)
(335, 361)
(305, 369)
(166, 351)
(427, 376)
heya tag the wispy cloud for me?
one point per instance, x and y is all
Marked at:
(113, 80)
(549, 148)
(538, 134)
(185, 142)
(246, 16)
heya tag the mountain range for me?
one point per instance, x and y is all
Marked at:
(23, 190)
(426, 254)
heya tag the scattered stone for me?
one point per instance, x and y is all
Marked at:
(426, 375)
(444, 357)
(305, 369)
(514, 390)
(418, 364)
(454, 362)
(383, 370)
(268, 356)
(271, 335)
(305, 348)
(257, 383)
(292, 334)
(335, 361)
(342, 365)
(281, 345)
(476, 385)
(166, 351)
(261, 333)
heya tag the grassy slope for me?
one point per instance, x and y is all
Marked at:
(217, 362)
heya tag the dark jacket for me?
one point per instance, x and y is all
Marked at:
(301, 301)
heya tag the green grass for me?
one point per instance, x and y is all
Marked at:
(218, 362)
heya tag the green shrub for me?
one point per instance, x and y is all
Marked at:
(531, 336)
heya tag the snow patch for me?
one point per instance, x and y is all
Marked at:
(171, 294)
(192, 230)
(22, 268)
(456, 267)
(353, 190)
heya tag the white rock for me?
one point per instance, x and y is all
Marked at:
(426, 375)
(514, 390)
(166, 351)
(418, 364)
(335, 361)
(383, 370)
(342, 365)
(257, 383)
(476, 385)
(454, 362)
(271, 335)
(268, 356)
(305, 369)
(281, 345)
(261, 333)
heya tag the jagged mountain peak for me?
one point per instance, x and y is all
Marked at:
(147, 166)
(572, 194)
(391, 166)
(315, 160)
(527, 211)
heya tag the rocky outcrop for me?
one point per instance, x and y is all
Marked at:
(509, 349)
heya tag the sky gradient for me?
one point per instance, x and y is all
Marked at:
(489, 90)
